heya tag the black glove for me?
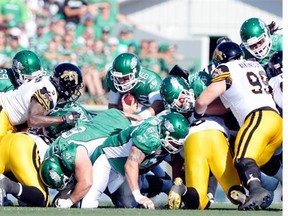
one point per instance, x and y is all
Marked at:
(71, 117)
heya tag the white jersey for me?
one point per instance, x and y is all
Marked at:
(276, 84)
(16, 102)
(249, 88)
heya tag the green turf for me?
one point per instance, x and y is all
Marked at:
(219, 209)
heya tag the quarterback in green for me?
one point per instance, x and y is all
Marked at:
(25, 66)
(128, 76)
(116, 161)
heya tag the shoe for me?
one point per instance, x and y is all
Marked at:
(7, 202)
(175, 194)
(238, 196)
(257, 198)
(2, 189)
(211, 198)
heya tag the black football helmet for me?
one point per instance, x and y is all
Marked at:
(275, 63)
(67, 79)
(226, 52)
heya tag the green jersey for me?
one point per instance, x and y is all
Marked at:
(144, 136)
(7, 80)
(89, 134)
(147, 86)
(198, 81)
(60, 110)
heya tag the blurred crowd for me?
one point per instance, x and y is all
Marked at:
(89, 33)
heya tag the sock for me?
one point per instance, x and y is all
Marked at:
(278, 175)
(12, 187)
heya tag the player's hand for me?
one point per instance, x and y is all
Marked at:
(146, 202)
(71, 117)
(63, 203)
(129, 108)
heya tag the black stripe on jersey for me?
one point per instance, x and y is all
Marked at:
(36, 158)
(248, 132)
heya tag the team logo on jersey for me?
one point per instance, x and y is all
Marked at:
(153, 84)
(17, 66)
(141, 138)
(70, 76)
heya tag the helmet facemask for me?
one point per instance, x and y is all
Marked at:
(124, 83)
(23, 78)
(188, 103)
(172, 145)
(261, 51)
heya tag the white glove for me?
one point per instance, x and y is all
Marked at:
(63, 203)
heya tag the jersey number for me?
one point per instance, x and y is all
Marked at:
(260, 85)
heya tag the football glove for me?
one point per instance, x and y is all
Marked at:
(71, 117)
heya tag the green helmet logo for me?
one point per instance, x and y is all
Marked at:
(125, 71)
(52, 173)
(255, 36)
(25, 66)
(173, 130)
(176, 94)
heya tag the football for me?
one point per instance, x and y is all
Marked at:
(128, 98)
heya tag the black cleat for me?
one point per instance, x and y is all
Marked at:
(257, 198)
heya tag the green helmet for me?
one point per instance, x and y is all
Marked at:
(125, 71)
(25, 66)
(173, 130)
(255, 36)
(53, 174)
(171, 88)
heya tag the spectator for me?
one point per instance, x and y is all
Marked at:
(108, 17)
(4, 59)
(94, 73)
(151, 59)
(74, 10)
(13, 13)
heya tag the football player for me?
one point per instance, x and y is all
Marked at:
(32, 101)
(128, 76)
(20, 157)
(200, 163)
(25, 66)
(134, 150)
(260, 41)
(276, 80)
(247, 95)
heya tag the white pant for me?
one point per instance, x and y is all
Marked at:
(103, 176)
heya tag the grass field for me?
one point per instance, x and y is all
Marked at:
(218, 209)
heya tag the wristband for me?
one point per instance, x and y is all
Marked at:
(197, 116)
(137, 195)
(145, 114)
